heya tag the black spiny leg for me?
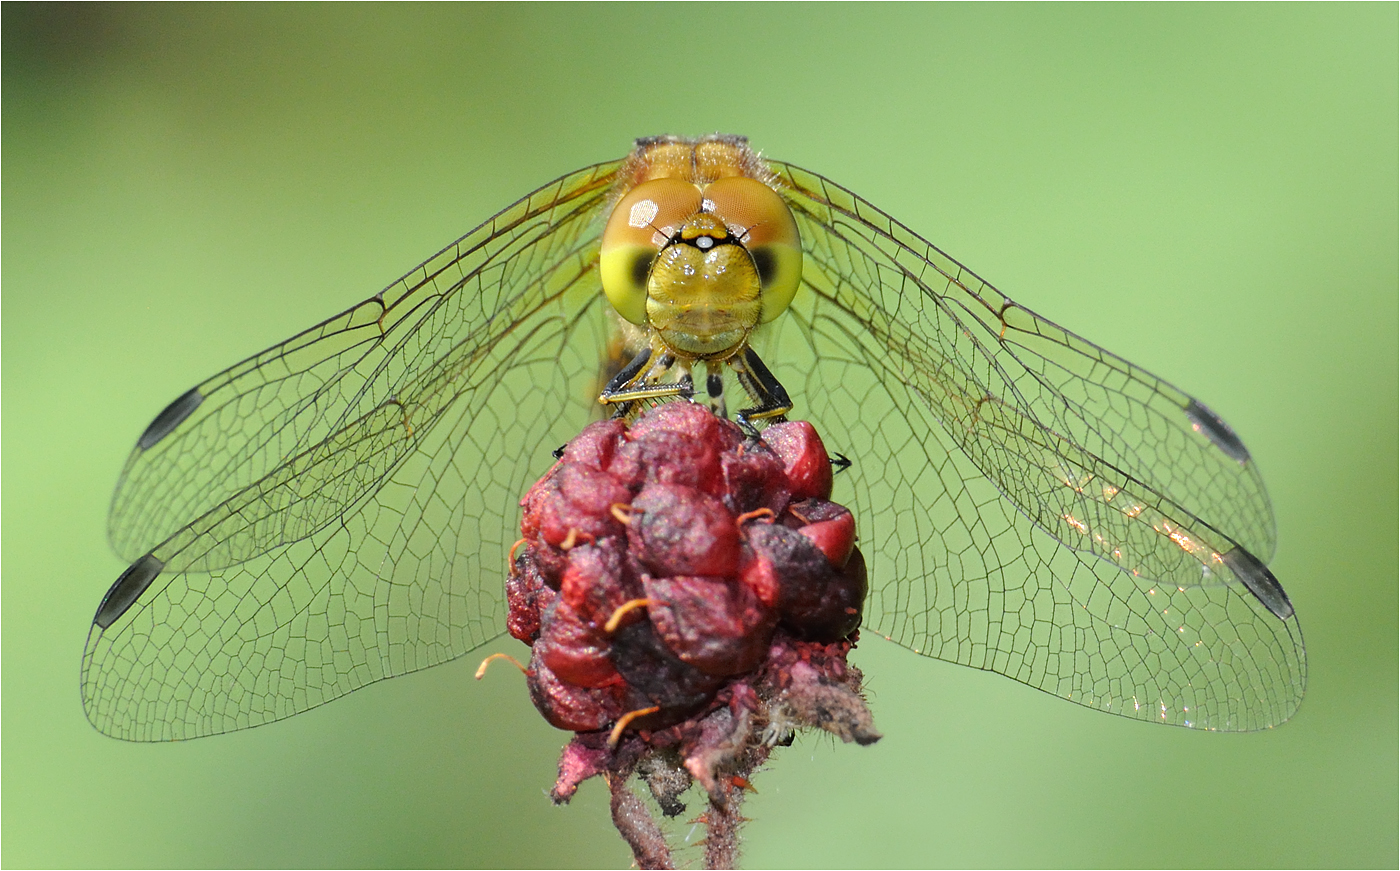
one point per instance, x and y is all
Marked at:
(624, 376)
(638, 381)
(773, 401)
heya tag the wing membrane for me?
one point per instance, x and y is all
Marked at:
(284, 411)
(1130, 418)
(363, 484)
(1020, 486)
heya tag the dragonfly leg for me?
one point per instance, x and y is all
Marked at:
(773, 402)
(714, 388)
(640, 379)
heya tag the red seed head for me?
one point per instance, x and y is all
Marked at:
(667, 598)
(680, 530)
(804, 458)
(717, 625)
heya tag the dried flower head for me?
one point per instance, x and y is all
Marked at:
(690, 595)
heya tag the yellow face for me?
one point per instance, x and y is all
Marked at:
(700, 263)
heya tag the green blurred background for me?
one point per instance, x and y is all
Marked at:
(1210, 191)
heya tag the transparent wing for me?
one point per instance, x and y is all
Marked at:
(338, 509)
(1032, 504)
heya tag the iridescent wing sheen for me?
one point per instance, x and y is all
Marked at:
(1029, 503)
(338, 509)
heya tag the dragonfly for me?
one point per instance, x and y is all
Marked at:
(339, 508)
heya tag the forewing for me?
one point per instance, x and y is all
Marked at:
(338, 509)
(1035, 505)
(293, 405)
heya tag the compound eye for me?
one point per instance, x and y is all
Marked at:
(764, 224)
(640, 224)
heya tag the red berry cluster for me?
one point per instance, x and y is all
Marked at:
(668, 562)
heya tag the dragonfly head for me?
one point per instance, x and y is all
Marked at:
(701, 264)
